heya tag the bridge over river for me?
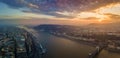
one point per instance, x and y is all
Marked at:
(96, 52)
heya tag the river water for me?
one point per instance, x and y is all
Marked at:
(58, 47)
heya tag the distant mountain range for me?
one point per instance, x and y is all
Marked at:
(111, 27)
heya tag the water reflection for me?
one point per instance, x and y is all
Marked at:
(106, 54)
(63, 48)
(58, 47)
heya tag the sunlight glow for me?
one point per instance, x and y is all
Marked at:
(90, 14)
(113, 8)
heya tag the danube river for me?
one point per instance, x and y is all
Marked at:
(58, 47)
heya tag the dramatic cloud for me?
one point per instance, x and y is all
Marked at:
(90, 18)
(113, 16)
(13, 3)
(55, 7)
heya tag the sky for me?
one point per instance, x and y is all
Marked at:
(60, 11)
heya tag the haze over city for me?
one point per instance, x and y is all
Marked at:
(59, 28)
